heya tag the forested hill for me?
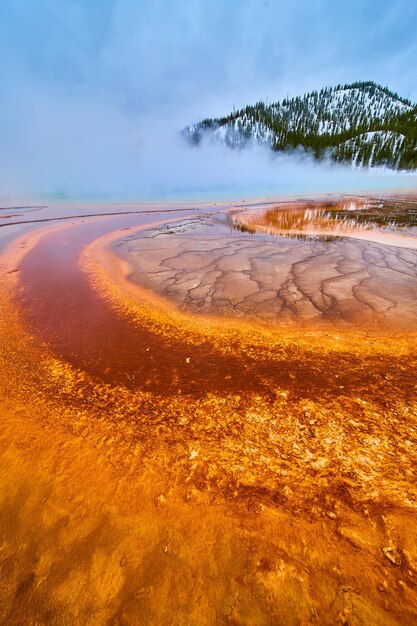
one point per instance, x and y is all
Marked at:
(362, 123)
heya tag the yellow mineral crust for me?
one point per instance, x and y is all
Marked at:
(280, 488)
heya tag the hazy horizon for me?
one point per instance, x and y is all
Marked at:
(94, 94)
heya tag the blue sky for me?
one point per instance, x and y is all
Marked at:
(83, 78)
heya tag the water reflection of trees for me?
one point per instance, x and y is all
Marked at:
(250, 230)
(340, 219)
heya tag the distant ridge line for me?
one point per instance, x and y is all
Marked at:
(361, 123)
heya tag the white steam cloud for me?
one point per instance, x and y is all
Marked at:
(94, 94)
(81, 149)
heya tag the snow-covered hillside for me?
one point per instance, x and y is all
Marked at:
(362, 123)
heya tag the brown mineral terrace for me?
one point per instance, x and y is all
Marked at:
(304, 265)
(254, 463)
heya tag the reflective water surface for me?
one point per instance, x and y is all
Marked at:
(347, 218)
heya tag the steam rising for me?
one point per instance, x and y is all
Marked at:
(94, 97)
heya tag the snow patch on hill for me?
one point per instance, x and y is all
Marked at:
(362, 123)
